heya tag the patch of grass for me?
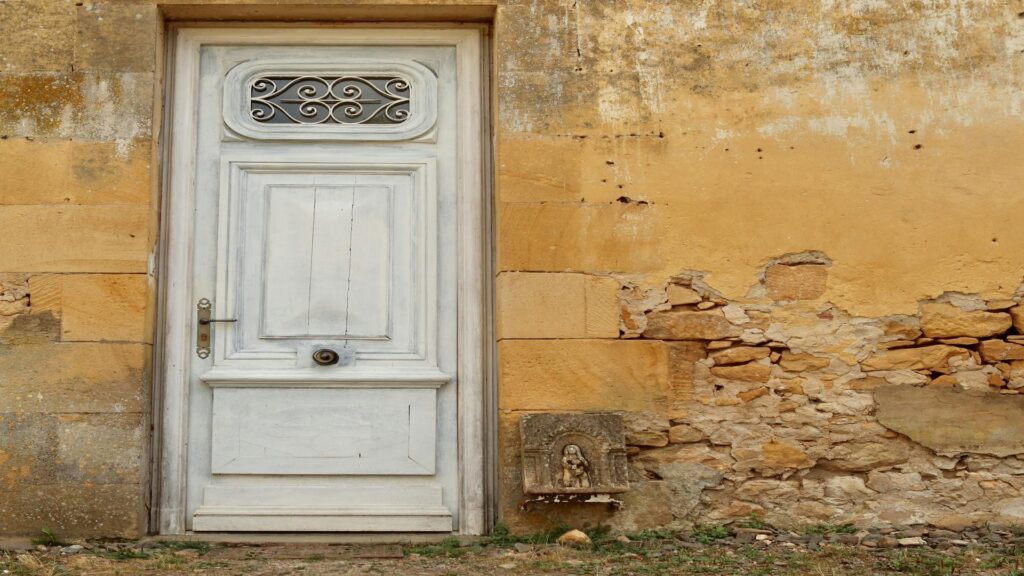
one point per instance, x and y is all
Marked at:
(501, 536)
(449, 547)
(826, 528)
(47, 537)
(710, 534)
(647, 535)
(920, 563)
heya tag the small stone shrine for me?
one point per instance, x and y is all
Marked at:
(573, 454)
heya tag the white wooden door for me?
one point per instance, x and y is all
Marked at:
(324, 224)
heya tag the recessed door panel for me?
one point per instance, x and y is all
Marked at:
(294, 431)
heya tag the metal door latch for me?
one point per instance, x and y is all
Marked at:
(204, 309)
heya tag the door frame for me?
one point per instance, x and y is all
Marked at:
(175, 310)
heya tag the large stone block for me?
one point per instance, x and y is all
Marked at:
(951, 421)
(104, 106)
(795, 282)
(539, 170)
(116, 36)
(92, 510)
(935, 358)
(35, 172)
(111, 172)
(37, 36)
(683, 324)
(583, 375)
(943, 320)
(74, 238)
(73, 378)
(44, 449)
(579, 237)
(542, 305)
(96, 307)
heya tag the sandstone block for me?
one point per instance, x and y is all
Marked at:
(748, 395)
(752, 372)
(74, 238)
(96, 307)
(801, 362)
(689, 325)
(621, 375)
(107, 29)
(599, 238)
(43, 449)
(739, 354)
(73, 172)
(683, 434)
(1017, 316)
(950, 421)
(943, 320)
(863, 456)
(550, 305)
(998, 351)
(538, 169)
(779, 456)
(82, 106)
(784, 282)
(37, 36)
(73, 378)
(681, 295)
(88, 510)
(935, 358)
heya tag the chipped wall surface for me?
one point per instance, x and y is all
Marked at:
(733, 222)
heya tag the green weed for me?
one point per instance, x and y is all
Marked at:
(47, 537)
(710, 534)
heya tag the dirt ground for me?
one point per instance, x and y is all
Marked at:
(660, 554)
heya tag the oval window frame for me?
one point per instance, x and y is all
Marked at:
(422, 99)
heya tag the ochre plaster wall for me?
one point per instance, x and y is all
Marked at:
(787, 181)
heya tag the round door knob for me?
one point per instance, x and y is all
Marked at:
(325, 357)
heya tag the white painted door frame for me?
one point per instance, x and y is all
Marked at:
(176, 314)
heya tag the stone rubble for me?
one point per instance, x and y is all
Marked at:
(777, 401)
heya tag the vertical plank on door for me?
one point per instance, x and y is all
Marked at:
(330, 275)
(288, 253)
(371, 262)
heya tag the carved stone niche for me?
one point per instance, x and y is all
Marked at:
(573, 454)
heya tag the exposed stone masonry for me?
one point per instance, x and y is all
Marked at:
(782, 406)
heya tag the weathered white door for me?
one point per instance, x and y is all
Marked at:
(323, 372)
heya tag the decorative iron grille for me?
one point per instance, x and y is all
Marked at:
(329, 100)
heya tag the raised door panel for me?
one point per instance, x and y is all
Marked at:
(296, 431)
(327, 254)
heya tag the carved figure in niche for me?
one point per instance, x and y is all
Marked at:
(575, 468)
(573, 453)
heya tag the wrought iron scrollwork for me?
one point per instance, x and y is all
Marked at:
(341, 99)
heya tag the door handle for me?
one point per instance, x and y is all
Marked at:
(204, 309)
